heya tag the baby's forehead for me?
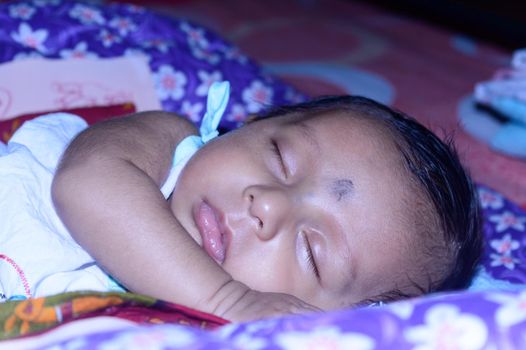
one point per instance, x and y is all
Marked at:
(374, 125)
(371, 133)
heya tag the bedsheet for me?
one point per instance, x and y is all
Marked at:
(474, 320)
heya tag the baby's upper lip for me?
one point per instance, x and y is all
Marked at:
(225, 231)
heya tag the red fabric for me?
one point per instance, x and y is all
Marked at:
(90, 114)
(160, 312)
(37, 315)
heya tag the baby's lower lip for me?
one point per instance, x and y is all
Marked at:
(208, 224)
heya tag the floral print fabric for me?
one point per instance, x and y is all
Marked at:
(505, 237)
(185, 59)
(465, 320)
(30, 316)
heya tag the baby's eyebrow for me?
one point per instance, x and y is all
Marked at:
(340, 188)
(308, 132)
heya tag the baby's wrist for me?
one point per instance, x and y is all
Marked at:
(227, 296)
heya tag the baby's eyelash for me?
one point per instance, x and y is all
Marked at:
(277, 153)
(310, 257)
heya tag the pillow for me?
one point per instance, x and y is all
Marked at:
(184, 58)
(504, 256)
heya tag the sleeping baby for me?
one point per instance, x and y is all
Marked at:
(332, 203)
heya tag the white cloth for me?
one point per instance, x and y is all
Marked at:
(38, 256)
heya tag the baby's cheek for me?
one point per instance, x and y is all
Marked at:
(183, 214)
(265, 275)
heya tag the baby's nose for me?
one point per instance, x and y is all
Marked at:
(269, 207)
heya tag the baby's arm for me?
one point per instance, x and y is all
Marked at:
(106, 191)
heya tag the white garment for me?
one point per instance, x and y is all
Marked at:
(38, 256)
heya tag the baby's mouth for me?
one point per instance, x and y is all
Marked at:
(209, 225)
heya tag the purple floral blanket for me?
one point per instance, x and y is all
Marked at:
(184, 58)
(476, 320)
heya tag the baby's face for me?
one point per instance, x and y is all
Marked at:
(316, 208)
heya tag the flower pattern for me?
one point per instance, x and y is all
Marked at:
(30, 38)
(233, 53)
(505, 260)
(508, 220)
(123, 25)
(257, 96)
(512, 309)
(155, 339)
(490, 199)
(108, 38)
(86, 14)
(403, 309)
(192, 111)
(207, 79)
(79, 51)
(247, 342)
(237, 114)
(504, 245)
(195, 36)
(159, 44)
(199, 45)
(170, 83)
(205, 54)
(324, 338)
(447, 328)
(22, 11)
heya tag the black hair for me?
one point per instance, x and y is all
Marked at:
(437, 171)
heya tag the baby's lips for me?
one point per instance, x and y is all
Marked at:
(209, 228)
(216, 250)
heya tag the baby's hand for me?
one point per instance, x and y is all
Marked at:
(256, 305)
(248, 304)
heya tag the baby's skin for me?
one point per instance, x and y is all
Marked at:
(289, 214)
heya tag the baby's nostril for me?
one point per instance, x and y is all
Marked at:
(251, 197)
(260, 223)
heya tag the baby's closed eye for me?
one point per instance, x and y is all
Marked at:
(277, 154)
